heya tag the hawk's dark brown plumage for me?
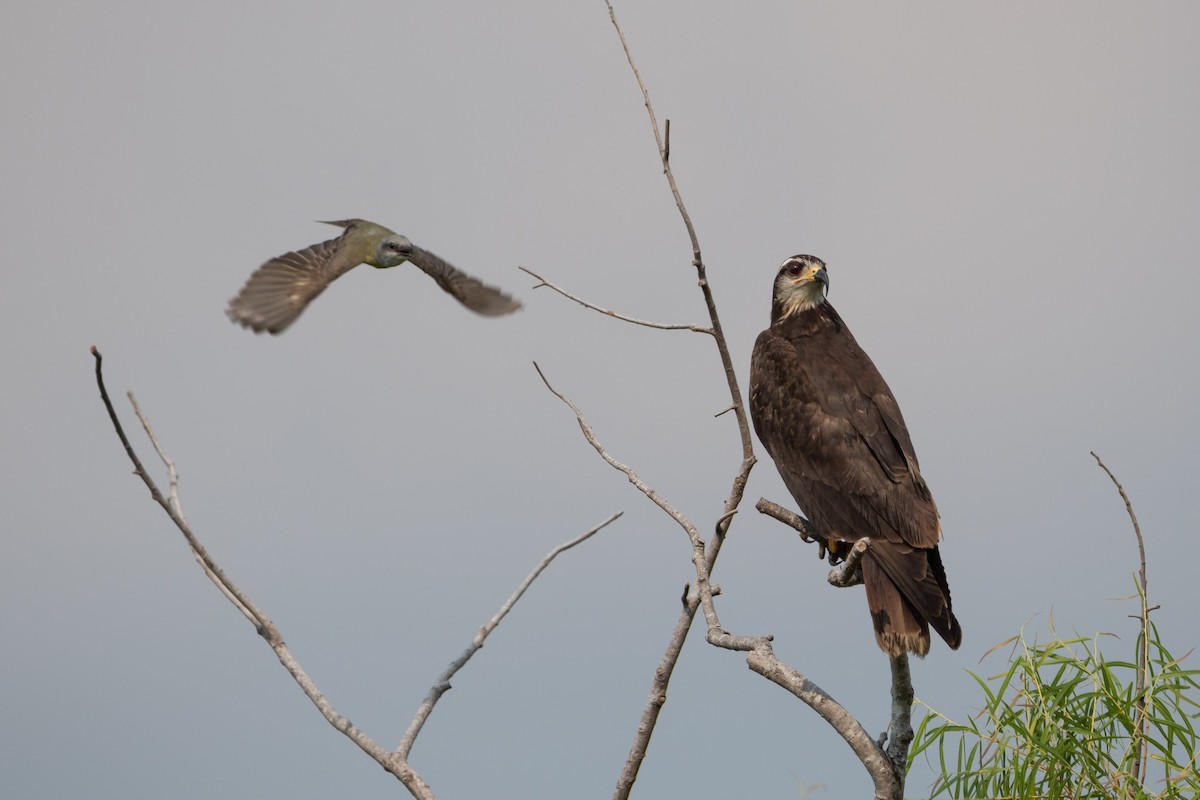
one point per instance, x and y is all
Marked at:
(832, 426)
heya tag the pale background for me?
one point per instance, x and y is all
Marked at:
(1007, 197)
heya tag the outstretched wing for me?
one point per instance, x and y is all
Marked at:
(284, 286)
(471, 292)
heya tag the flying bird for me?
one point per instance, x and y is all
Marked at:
(836, 434)
(284, 286)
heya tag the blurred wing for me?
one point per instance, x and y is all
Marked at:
(471, 292)
(281, 288)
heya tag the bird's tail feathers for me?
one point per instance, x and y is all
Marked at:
(906, 594)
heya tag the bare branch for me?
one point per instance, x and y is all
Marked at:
(787, 517)
(704, 559)
(1139, 734)
(256, 617)
(172, 475)
(393, 763)
(1137, 529)
(716, 635)
(663, 326)
(901, 731)
(697, 260)
(888, 786)
(658, 696)
(443, 681)
(849, 572)
(177, 507)
(638, 483)
(662, 675)
(663, 150)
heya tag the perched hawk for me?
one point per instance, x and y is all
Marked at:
(281, 288)
(833, 428)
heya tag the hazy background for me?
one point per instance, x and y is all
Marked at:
(1007, 197)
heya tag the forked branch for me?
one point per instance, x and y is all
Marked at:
(395, 762)
(391, 762)
(761, 658)
(443, 681)
(664, 154)
(716, 635)
(760, 655)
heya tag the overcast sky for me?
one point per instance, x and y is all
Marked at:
(1008, 199)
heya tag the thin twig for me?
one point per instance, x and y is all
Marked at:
(663, 152)
(177, 506)
(1137, 529)
(256, 617)
(443, 681)
(716, 635)
(172, 474)
(1139, 730)
(697, 260)
(391, 762)
(662, 326)
(638, 483)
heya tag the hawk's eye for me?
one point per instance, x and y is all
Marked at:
(794, 269)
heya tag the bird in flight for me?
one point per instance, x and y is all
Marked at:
(835, 433)
(284, 286)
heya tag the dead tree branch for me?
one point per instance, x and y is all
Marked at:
(391, 762)
(760, 658)
(895, 741)
(888, 784)
(697, 261)
(226, 588)
(761, 655)
(395, 762)
(1139, 730)
(849, 572)
(787, 517)
(658, 694)
(662, 326)
(716, 635)
(443, 681)
(706, 557)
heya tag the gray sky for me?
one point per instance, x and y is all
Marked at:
(1007, 197)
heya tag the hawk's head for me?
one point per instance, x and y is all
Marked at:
(801, 284)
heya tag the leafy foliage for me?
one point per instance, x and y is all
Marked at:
(1063, 721)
